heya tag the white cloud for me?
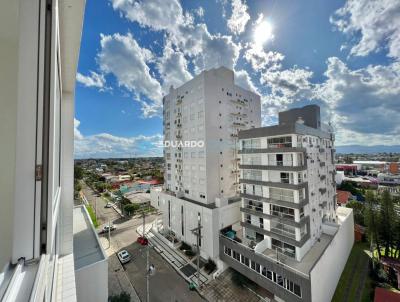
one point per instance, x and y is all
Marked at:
(156, 14)
(260, 59)
(199, 11)
(193, 40)
(92, 80)
(173, 68)
(243, 80)
(362, 102)
(77, 134)
(217, 50)
(377, 22)
(287, 85)
(122, 56)
(105, 145)
(239, 18)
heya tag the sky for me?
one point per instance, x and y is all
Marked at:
(342, 55)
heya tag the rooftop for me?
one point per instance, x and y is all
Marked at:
(307, 263)
(87, 247)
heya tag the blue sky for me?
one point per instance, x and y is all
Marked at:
(342, 55)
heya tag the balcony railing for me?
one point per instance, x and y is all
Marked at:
(282, 215)
(280, 145)
(271, 260)
(254, 207)
(283, 230)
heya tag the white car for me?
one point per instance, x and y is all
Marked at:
(124, 256)
(108, 205)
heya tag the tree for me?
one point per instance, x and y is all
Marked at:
(131, 208)
(371, 220)
(358, 211)
(78, 172)
(122, 297)
(386, 221)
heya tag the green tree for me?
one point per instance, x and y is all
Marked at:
(371, 220)
(78, 172)
(122, 297)
(358, 211)
(131, 208)
(386, 221)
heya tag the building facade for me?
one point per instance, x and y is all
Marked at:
(289, 224)
(202, 119)
(39, 257)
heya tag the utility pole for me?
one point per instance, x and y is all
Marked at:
(197, 232)
(109, 234)
(147, 274)
(147, 260)
(95, 207)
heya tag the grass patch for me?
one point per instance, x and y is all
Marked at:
(352, 276)
(92, 215)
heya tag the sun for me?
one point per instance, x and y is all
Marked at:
(263, 32)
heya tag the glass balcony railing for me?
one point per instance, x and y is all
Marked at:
(284, 230)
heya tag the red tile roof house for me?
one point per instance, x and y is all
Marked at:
(343, 197)
(385, 295)
(359, 232)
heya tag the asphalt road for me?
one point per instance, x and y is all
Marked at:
(165, 285)
(98, 203)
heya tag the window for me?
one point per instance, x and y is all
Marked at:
(252, 174)
(280, 142)
(227, 251)
(283, 212)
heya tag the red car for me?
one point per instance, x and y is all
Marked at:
(143, 240)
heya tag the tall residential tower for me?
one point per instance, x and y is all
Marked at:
(291, 240)
(202, 119)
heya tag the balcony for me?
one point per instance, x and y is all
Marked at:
(253, 263)
(273, 149)
(283, 229)
(89, 257)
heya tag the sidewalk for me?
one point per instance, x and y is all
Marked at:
(184, 267)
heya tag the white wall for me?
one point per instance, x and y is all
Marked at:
(92, 282)
(326, 273)
(212, 220)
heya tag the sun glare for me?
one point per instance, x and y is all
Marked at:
(263, 32)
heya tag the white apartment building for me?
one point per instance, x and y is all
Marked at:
(292, 240)
(201, 123)
(47, 248)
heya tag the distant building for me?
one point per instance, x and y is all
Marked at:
(348, 169)
(343, 197)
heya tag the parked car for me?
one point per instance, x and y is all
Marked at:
(106, 227)
(124, 256)
(108, 205)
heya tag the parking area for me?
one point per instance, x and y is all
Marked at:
(165, 285)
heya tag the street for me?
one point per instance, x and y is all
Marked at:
(165, 285)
